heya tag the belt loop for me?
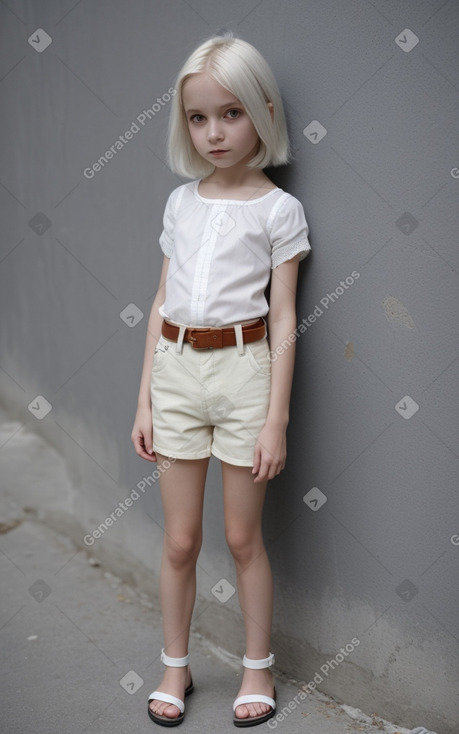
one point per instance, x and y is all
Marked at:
(266, 326)
(179, 344)
(239, 339)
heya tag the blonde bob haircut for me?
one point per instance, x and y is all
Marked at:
(242, 70)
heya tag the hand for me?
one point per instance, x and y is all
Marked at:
(142, 434)
(270, 452)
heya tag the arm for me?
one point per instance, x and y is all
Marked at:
(142, 431)
(271, 448)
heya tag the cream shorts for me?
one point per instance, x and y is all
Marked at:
(209, 401)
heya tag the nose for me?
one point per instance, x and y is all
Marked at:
(214, 131)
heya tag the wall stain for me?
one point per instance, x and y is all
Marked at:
(349, 351)
(396, 311)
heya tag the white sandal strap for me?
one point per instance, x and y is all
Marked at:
(160, 696)
(258, 664)
(254, 698)
(174, 662)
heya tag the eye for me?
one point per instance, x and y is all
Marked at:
(193, 118)
(233, 114)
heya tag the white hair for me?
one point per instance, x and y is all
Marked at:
(242, 70)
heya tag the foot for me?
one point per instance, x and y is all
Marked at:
(174, 682)
(255, 681)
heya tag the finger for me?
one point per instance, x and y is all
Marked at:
(135, 438)
(140, 448)
(148, 442)
(256, 459)
(263, 470)
(274, 471)
(145, 455)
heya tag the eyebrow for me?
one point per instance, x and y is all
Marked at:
(232, 103)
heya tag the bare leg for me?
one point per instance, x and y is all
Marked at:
(182, 492)
(243, 502)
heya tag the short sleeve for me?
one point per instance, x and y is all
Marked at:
(289, 231)
(166, 239)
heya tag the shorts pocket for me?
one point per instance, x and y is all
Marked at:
(160, 355)
(258, 356)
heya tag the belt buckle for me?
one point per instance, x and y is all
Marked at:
(213, 335)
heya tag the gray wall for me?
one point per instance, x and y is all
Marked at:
(377, 561)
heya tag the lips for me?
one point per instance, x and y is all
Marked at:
(219, 150)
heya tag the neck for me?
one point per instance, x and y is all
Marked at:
(231, 179)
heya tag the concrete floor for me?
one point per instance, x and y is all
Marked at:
(80, 648)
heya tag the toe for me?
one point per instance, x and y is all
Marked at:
(171, 711)
(257, 709)
(245, 711)
(241, 712)
(156, 707)
(161, 708)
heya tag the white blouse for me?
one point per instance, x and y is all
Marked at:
(222, 251)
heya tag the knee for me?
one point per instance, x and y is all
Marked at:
(243, 544)
(182, 550)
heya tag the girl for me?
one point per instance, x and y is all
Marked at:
(209, 383)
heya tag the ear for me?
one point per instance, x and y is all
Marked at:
(271, 110)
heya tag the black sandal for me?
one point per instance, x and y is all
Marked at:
(254, 697)
(161, 719)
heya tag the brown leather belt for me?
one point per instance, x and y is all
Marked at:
(215, 338)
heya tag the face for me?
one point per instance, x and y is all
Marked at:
(221, 130)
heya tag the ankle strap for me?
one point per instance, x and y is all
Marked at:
(174, 662)
(258, 664)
